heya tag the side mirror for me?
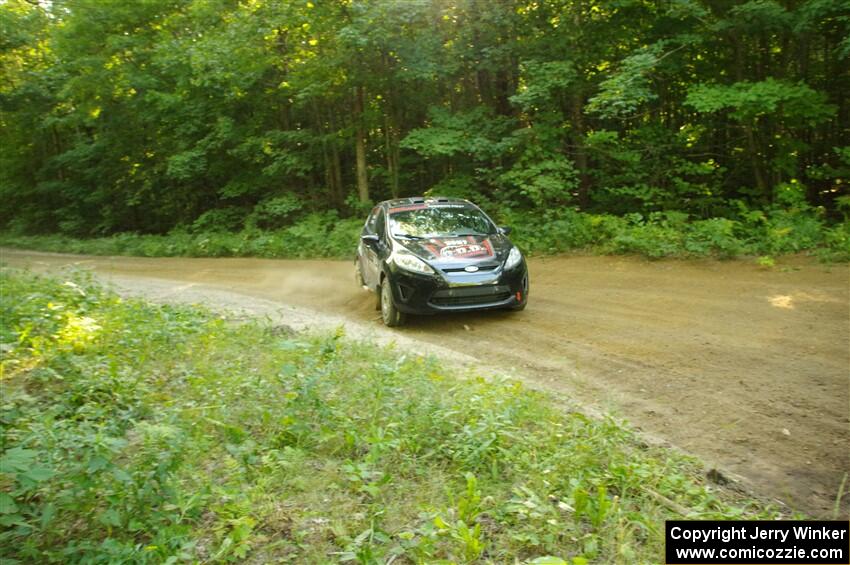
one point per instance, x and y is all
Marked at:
(506, 230)
(369, 238)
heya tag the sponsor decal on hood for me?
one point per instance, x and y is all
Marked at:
(459, 247)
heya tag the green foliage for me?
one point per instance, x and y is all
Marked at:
(274, 212)
(216, 117)
(626, 90)
(643, 173)
(186, 165)
(315, 235)
(747, 101)
(836, 174)
(220, 219)
(715, 236)
(542, 81)
(545, 179)
(160, 434)
(791, 226)
(476, 134)
(837, 243)
(458, 186)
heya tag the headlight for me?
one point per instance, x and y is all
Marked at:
(410, 262)
(514, 257)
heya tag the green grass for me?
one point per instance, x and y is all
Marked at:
(143, 433)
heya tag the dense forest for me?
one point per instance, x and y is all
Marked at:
(157, 116)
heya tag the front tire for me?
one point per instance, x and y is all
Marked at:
(391, 315)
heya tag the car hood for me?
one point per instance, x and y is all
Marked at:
(460, 251)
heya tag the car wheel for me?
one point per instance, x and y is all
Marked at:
(358, 276)
(391, 316)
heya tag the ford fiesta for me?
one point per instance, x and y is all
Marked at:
(429, 255)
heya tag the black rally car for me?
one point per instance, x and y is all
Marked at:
(428, 255)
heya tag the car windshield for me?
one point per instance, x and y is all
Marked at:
(429, 221)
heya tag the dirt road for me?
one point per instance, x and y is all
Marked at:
(748, 369)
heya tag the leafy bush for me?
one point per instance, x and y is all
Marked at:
(837, 243)
(790, 226)
(545, 180)
(274, 212)
(556, 231)
(225, 219)
(651, 238)
(160, 434)
(715, 236)
(459, 186)
(315, 235)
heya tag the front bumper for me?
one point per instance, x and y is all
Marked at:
(458, 292)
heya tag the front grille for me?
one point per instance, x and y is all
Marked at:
(481, 269)
(472, 296)
(470, 300)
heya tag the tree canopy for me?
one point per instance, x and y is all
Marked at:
(158, 114)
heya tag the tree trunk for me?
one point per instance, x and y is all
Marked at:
(336, 167)
(360, 146)
(322, 129)
(755, 161)
(57, 148)
(392, 153)
(580, 154)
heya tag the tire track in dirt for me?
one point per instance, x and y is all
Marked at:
(718, 358)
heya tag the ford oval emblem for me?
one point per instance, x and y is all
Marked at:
(471, 269)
